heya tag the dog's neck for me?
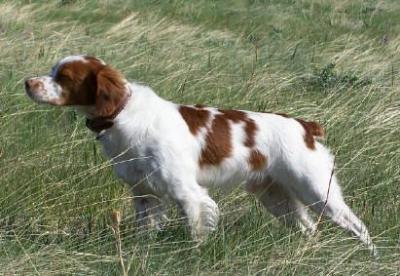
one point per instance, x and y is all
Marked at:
(142, 107)
(98, 124)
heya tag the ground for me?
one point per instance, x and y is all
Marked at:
(335, 61)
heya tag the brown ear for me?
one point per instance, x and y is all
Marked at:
(110, 91)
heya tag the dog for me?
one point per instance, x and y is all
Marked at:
(171, 151)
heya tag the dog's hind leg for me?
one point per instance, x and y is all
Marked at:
(315, 185)
(334, 207)
(284, 206)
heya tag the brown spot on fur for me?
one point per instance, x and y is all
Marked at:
(199, 105)
(250, 130)
(91, 83)
(218, 142)
(257, 160)
(233, 115)
(250, 127)
(312, 129)
(195, 118)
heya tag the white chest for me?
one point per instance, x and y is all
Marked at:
(132, 157)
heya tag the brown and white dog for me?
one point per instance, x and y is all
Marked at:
(167, 150)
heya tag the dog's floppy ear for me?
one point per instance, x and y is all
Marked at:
(110, 91)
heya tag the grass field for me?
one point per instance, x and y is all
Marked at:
(334, 61)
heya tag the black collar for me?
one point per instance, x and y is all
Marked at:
(98, 124)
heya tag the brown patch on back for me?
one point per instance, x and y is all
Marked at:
(233, 115)
(312, 129)
(218, 139)
(250, 127)
(218, 142)
(195, 118)
(257, 160)
(250, 130)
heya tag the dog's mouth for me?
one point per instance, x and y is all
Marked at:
(39, 93)
(29, 91)
(30, 94)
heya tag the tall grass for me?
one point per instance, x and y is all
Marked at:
(332, 61)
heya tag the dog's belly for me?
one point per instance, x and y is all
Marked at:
(224, 177)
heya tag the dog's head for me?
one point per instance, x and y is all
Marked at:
(82, 81)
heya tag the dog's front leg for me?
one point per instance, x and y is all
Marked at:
(200, 210)
(150, 212)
